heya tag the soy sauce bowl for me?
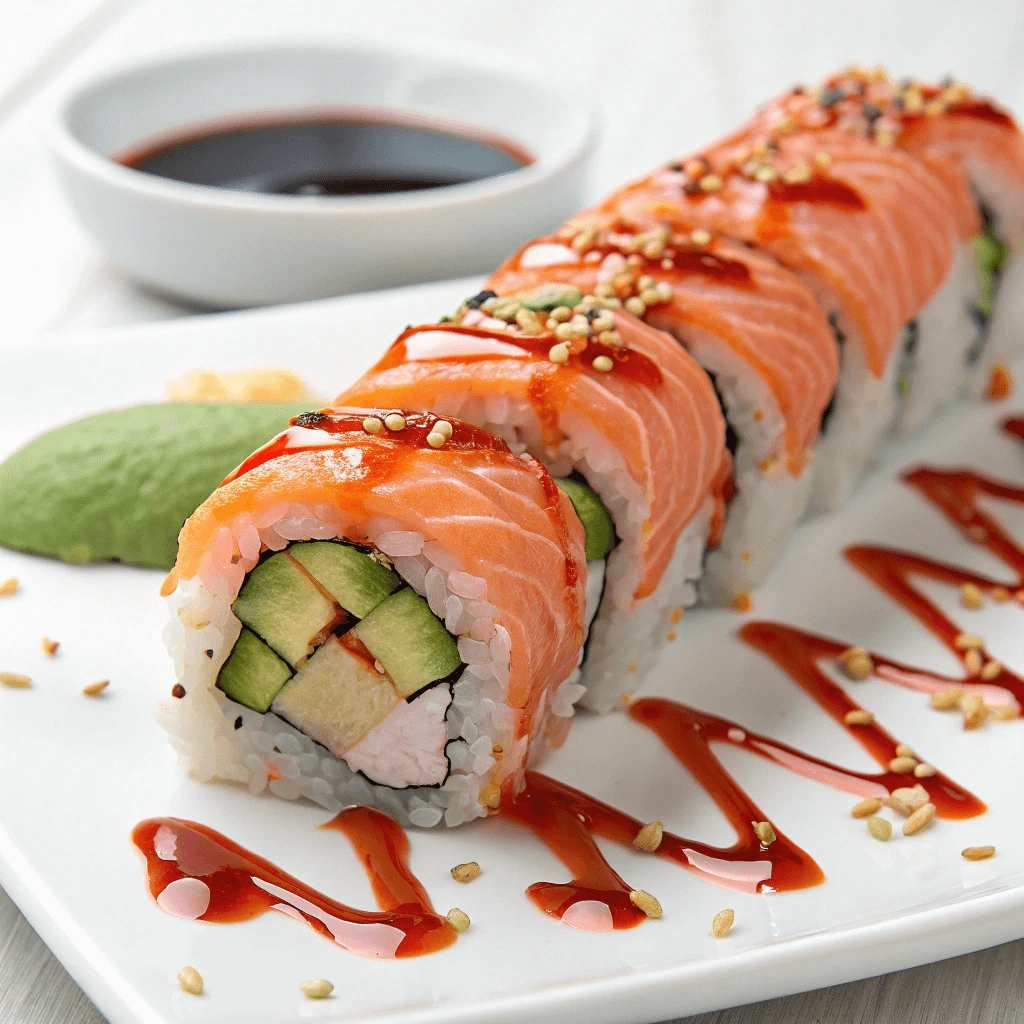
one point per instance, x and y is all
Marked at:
(227, 247)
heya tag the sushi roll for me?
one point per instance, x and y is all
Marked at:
(869, 229)
(377, 608)
(623, 418)
(758, 333)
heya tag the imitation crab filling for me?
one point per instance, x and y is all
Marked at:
(336, 643)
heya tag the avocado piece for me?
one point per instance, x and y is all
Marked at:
(548, 296)
(597, 523)
(409, 640)
(118, 486)
(284, 607)
(337, 697)
(990, 257)
(253, 674)
(353, 578)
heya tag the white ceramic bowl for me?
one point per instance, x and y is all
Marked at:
(223, 248)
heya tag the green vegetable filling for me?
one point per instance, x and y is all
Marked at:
(597, 523)
(991, 255)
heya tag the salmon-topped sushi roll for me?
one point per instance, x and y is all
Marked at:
(626, 421)
(869, 229)
(758, 333)
(381, 608)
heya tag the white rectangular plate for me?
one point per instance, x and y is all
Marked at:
(78, 773)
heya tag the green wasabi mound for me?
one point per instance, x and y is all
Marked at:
(120, 485)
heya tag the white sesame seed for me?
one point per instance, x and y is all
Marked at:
(700, 237)
(466, 872)
(318, 988)
(978, 852)
(395, 421)
(95, 689)
(764, 832)
(603, 364)
(646, 902)
(443, 427)
(436, 439)
(722, 923)
(14, 680)
(648, 839)
(458, 919)
(867, 807)
(880, 829)
(635, 305)
(373, 424)
(559, 353)
(191, 981)
(9, 587)
(921, 818)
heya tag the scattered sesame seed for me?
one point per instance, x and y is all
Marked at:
(489, 305)
(867, 807)
(603, 364)
(528, 321)
(907, 799)
(559, 353)
(822, 159)
(443, 427)
(373, 424)
(991, 670)
(1000, 594)
(764, 832)
(975, 711)
(436, 439)
(700, 237)
(710, 183)
(561, 313)
(859, 717)
(645, 902)
(466, 872)
(565, 332)
(50, 646)
(856, 663)
(925, 770)
(722, 923)
(798, 175)
(971, 597)
(671, 636)
(1003, 712)
(676, 615)
(968, 642)
(602, 323)
(458, 919)
(190, 981)
(902, 750)
(663, 291)
(978, 852)
(395, 421)
(766, 173)
(95, 689)
(880, 828)
(948, 699)
(973, 662)
(902, 765)
(318, 988)
(494, 800)
(9, 587)
(648, 839)
(742, 602)
(635, 305)
(612, 338)
(921, 818)
(15, 681)
(747, 556)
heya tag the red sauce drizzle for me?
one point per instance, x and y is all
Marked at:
(983, 110)
(820, 189)
(175, 849)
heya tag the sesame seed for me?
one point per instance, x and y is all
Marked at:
(604, 322)
(14, 680)
(742, 602)
(902, 750)
(395, 421)
(650, 296)
(902, 765)
(722, 923)
(466, 872)
(798, 175)
(605, 290)
(565, 332)
(948, 699)
(1003, 712)
(856, 663)
(646, 902)
(710, 183)
(443, 427)
(506, 309)
(867, 807)
(676, 615)
(822, 159)
(700, 237)
(373, 424)
(603, 364)
(859, 717)
(921, 818)
(458, 919)
(561, 314)
(925, 770)
(318, 988)
(528, 321)
(991, 670)
(907, 799)
(764, 832)
(968, 642)
(635, 305)
(667, 263)
(664, 291)
(490, 305)
(95, 689)
(978, 852)
(1000, 594)
(975, 711)
(648, 839)
(973, 662)
(671, 636)
(9, 587)
(559, 353)
(766, 173)
(190, 981)
(880, 828)
(436, 439)
(971, 597)
(645, 282)
(49, 646)
(885, 137)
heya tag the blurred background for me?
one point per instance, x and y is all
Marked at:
(665, 75)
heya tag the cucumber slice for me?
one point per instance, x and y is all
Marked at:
(548, 296)
(284, 607)
(355, 580)
(593, 515)
(336, 698)
(253, 675)
(410, 641)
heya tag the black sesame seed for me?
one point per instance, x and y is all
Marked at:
(480, 298)
(307, 419)
(871, 111)
(830, 97)
(675, 167)
(593, 314)
(209, 652)
(899, 101)
(947, 81)
(238, 722)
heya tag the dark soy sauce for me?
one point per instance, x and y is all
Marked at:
(326, 152)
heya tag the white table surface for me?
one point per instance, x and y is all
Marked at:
(668, 74)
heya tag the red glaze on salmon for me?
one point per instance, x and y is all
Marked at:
(499, 515)
(728, 303)
(871, 229)
(655, 406)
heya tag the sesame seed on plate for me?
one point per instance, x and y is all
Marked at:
(373, 424)
(859, 716)
(9, 587)
(880, 828)
(458, 919)
(722, 923)
(856, 663)
(49, 646)
(870, 805)
(902, 765)
(603, 364)
(443, 427)
(95, 689)
(648, 839)
(920, 819)
(924, 770)
(971, 597)
(764, 832)
(191, 981)
(646, 902)
(559, 353)
(318, 988)
(947, 699)
(466, 872)
(395, 421)
(978, 852)
(15, 680)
